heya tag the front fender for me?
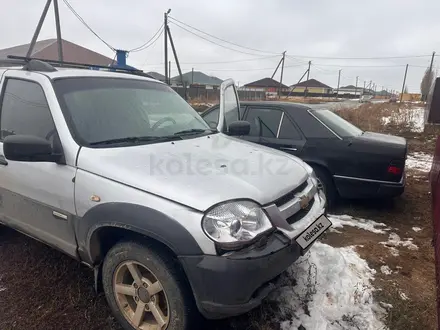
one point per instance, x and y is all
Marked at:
(133, 217)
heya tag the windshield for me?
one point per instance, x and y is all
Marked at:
(105, 109)
(338, 125)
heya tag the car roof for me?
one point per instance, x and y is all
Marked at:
(71, 73)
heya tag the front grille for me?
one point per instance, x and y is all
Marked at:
(289, 196)
(301, 213)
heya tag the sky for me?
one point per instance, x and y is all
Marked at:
(317, 31)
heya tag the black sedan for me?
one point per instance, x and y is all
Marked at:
(348, 162)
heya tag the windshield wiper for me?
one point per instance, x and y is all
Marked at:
(136, 139)
(195, 131)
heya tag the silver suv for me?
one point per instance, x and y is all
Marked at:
(174, 217)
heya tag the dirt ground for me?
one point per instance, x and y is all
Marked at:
(41, 288)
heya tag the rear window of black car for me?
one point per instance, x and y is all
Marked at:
(337, 124)
(310, 126)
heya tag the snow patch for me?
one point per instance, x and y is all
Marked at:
(414, 118)
(385, 305)
(394, 241)
(339, 221)
(419, 161)
(403, 296)
(2, 289)
(416, 229)
(333, 291)
(386, 270)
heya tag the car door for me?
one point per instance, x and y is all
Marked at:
(272, 127)
(229, 105)
(36, 198)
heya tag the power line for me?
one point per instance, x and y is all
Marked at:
(250, 69)
(229, 42)
(154, 42)
(255, 69)
(78, 16)
(362, 66)
(211, 41)
(223, 62)
(360, 58)
(146, 44)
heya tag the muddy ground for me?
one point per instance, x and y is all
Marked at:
(41, 288)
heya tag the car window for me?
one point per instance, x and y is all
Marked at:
(337, 124)
(288, 130)
(211, 117)
(24, 110)
(310, 126)
(102, 109)
(264, 121)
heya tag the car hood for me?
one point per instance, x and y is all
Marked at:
(199, 172)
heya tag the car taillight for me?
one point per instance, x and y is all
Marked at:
(392, 169)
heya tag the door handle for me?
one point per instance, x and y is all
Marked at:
(3, 160)
(291, 149)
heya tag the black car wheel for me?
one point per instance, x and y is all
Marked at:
(325, 183)
(145, 288)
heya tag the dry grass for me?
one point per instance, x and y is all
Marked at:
(391, 118)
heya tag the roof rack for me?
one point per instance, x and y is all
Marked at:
(39, 64)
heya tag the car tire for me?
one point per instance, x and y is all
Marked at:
(327, 184)
(144, 285)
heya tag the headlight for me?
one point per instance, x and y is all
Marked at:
(234, 223)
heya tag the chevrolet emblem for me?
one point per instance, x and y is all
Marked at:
(304, 201)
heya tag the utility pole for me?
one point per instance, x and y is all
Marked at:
(192, 76)
(169, 71)
(430, 73)
(308, 75)
(355, 89)
(404, 81)
(339, 80)
(58, 27)
(165, 24)
(282, 72)
(294, 86)
(365, 84)
(38, 29)
(279, 63)
(176, 59)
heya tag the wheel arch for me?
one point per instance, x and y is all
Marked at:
(110, 222)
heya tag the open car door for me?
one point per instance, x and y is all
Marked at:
(229, 105)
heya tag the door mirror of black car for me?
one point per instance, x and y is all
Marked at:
(27, 148)
(240, 127)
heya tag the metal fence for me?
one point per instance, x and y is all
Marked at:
(213, 95)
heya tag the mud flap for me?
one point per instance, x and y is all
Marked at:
(97, 271)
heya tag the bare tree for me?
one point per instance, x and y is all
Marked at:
(426, 83)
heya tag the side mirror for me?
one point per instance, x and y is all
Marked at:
(239, 127)
(28, 148)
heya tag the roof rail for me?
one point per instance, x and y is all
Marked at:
(22, 60)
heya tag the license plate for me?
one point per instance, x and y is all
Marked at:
(315, 230)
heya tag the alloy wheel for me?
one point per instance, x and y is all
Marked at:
(140, 296)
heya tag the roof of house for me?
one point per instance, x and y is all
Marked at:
(265, 82)
(198, 78)
(349, 87)
(156, 75)
(311, 83)
(48, 50)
